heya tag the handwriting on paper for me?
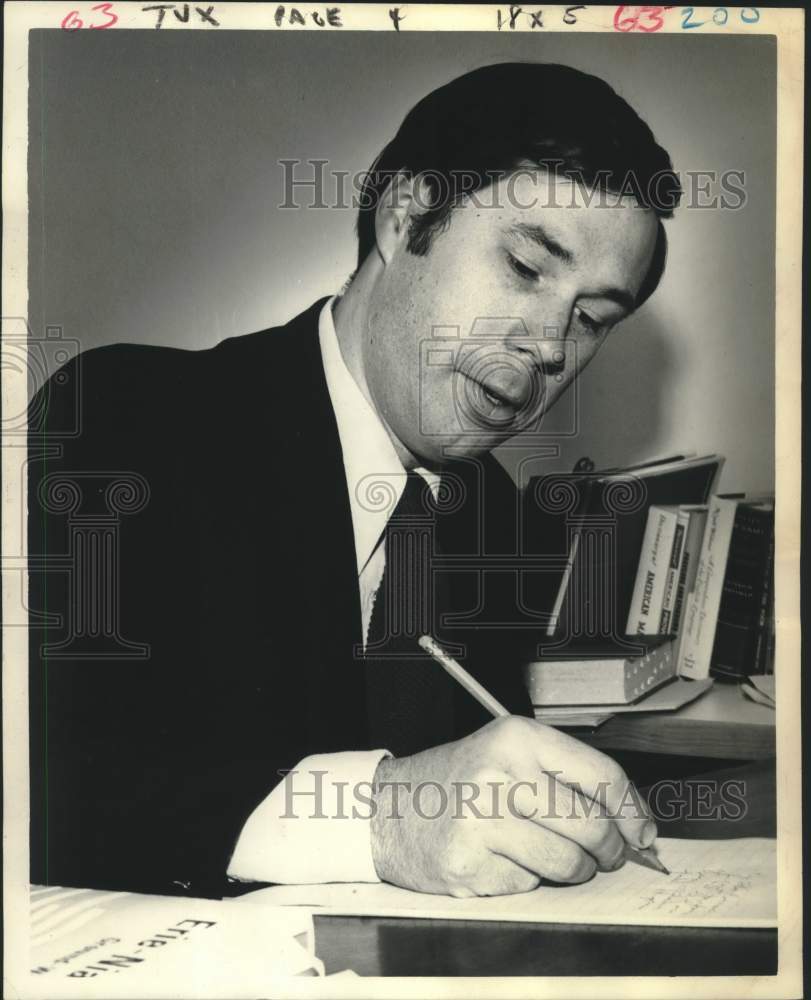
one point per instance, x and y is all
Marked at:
(697, 893)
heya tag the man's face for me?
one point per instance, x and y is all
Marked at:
(473, 342)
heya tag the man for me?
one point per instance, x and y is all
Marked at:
(256, 626)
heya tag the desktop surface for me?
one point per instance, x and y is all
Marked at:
(722, 723)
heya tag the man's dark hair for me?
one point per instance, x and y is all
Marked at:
(495, 120)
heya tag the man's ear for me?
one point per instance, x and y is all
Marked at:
(404, 198)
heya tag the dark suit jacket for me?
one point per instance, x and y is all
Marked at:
(212, 644)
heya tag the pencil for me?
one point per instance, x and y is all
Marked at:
(458, 672)
(644, 856)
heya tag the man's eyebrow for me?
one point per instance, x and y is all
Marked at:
(540, 236)
(618, 295)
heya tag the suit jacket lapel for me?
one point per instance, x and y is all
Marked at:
(322, 565)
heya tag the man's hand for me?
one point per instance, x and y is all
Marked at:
(499, 810)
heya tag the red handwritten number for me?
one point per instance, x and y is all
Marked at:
(624, 23)
(105, 9)
(71, 21)
(655, 16)
(652, 16)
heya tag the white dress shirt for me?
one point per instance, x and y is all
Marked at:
(283, 840)
(375, 477)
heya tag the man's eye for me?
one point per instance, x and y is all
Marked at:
(591, 323)
(521, 269)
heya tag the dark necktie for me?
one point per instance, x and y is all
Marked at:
(409, 696)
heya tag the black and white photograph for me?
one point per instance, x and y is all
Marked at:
(401, 461)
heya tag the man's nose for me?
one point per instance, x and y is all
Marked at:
(547, 347)
(553, 351)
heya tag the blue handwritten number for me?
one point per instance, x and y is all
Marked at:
(720, 10)
(753, 17)
(687, 13)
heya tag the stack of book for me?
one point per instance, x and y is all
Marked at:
(690, 578)
(705, 576)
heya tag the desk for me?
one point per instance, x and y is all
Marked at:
(722, 723)
(376, 946)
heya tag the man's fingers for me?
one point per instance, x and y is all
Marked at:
(568, 813)
(498, 876)
(540, 850)
(635, 821)
(597, 776)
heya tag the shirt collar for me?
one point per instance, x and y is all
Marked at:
(375, 476)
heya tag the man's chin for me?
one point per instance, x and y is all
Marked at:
(441, 451)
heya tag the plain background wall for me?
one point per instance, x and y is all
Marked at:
(154, 184)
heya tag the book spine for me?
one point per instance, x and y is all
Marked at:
(645, 673)
(733, 653)
(673, 573)
(689, 566)
(771, 638)
(767, 594)
(702, 607)
(651, 577)
(675, 623)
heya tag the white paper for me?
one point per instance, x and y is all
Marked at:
(764, 683)
(712, 883)
(98, 945)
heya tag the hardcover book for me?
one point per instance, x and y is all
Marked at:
(742, 610)
(653, 571)
(596, 678)
(701, 615)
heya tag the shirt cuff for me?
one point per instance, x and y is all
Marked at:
(314, 826)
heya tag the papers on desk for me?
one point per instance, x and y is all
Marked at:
(92, 944)
(760, 688)
(677, 693)
(712, 883)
